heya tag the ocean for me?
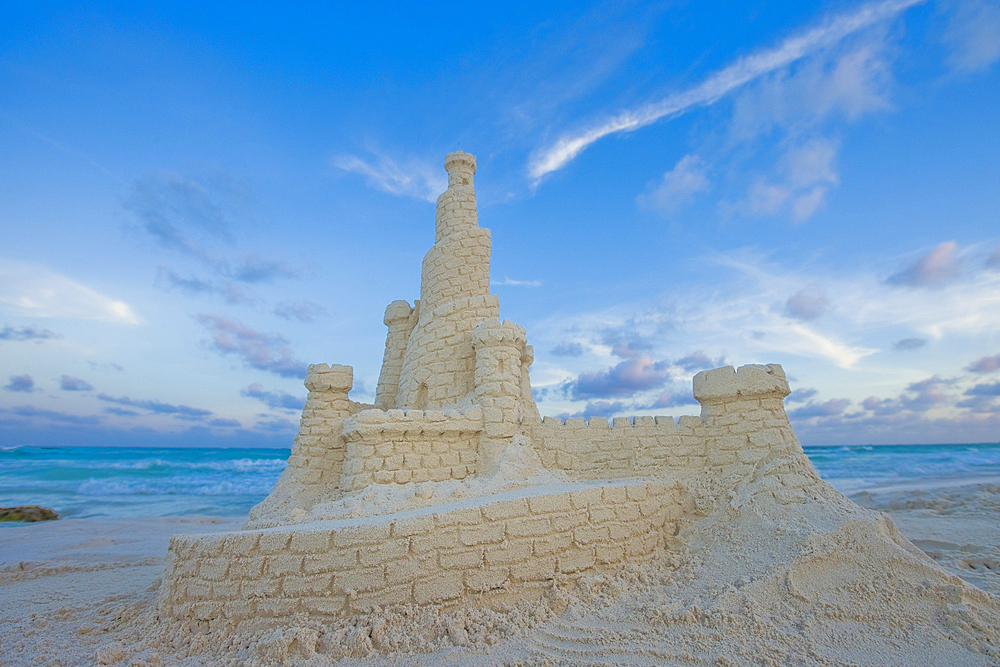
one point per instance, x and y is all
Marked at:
(110, 482)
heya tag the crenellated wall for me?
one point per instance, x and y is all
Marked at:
(628, 447)
(743, 424)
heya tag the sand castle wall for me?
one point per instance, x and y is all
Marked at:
(403, 446)
(479, 551)
(743, 423)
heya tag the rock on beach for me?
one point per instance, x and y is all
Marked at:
(27, 513)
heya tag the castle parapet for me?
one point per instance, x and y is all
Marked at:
(746, 419)
(726, 384)
(325, 378)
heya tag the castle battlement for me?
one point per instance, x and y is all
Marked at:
(542, 498)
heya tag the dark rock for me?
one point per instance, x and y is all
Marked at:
(27, 513)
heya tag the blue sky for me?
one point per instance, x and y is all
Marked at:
(199, 200)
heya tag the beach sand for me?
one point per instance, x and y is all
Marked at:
(83, 592)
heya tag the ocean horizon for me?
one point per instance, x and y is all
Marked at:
(128, 482)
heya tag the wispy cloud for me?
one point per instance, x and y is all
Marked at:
(178, 411)
(907, 344)
(256, 269)
(516, 283)
(677, 187)
(674, 398)
(68, 383)
(196, 217)
(572, 349)
(623, 380)
(266, 352)
(807, 304)
(26, 333)
(801, 395)
(55, 416)
(23, 383)
(934, 269)
(973, 33)
(829, 408)
(275, 424)
(228, 290)
(805, 175)
(274, 399)
(699, 361)
(985, 364)
(597, 409)
(303, 311)
(412, 178)
(35, 290)
(717, 85)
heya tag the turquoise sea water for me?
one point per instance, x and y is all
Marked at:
(111, 482)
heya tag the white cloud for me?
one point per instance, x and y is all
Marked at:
(936, 268)
(516, 283)
(848, 82)
(767, 198)
(678, 185)
(973, 33)
(743, 315)
(812, 163)
(719, 84)
(34, 290)
(420, 180)
(807, 304)
(806, 173)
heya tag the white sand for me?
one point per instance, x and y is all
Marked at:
(757, 584)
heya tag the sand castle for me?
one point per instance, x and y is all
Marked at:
(454, 402)
(451, 491)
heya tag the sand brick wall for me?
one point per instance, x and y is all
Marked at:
(742, 423)
(745, 418)
(404, 446)
(475, 551)
(628, 447)
(456, 267)
(440, 355)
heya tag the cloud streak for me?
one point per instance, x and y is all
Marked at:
(36, 291)
(266, 352)
(68, 383)
(23, 383)
(743, 71)
(273, 399)
(179, 411)
(413, 179)
(26, 333)
(936, 268)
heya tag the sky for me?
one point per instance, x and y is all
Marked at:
(199, 200)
